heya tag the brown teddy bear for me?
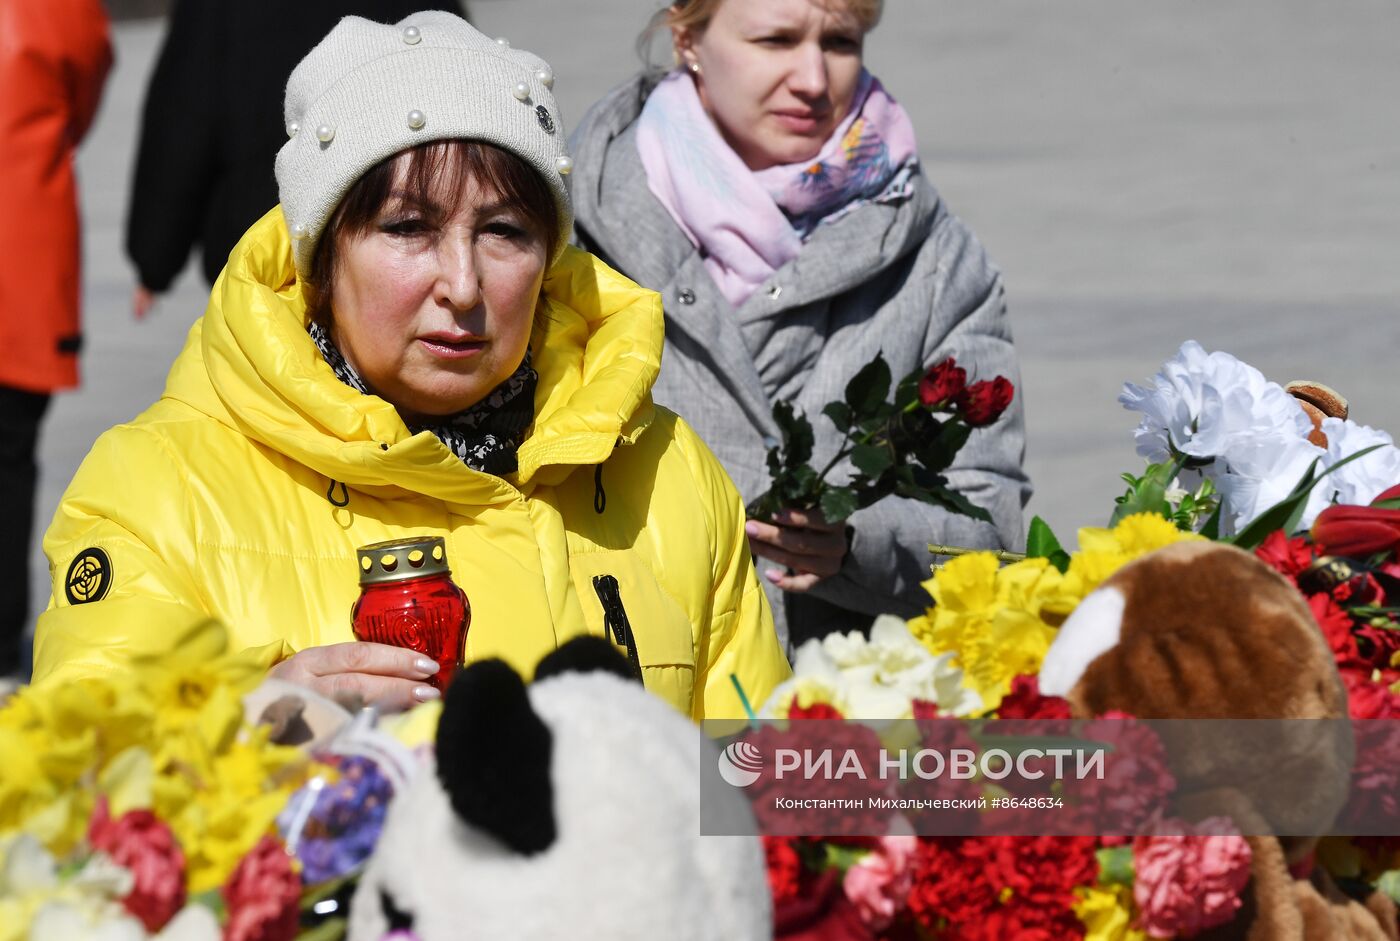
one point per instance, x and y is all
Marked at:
(1203, 630)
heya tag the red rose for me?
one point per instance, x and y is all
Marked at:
(983, 402)
(262, 895)
(1357, 531)
(141, 842)
(943, 382)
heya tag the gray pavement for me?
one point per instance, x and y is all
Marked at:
(1143, 174)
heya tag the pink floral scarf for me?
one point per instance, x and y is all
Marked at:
(749, 224)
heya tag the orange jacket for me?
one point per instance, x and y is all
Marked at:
(54, 57)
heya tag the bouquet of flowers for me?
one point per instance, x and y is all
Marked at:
(900, 447)
(147, 805)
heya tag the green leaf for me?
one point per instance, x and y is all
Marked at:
(1389, 882)
(906, 391)
(871, 460)
(1041, 543)
(950, 500)
(1211, 530)
(844, 857)
(938, 452)
(330, 930)
(837, 503)
(840, 415)
(797, 434)
(1116, 865)
(1149, 493)
(869, 388)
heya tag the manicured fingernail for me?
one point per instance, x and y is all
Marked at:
(425, 665)
(426, 693)
(773, 575)
(752, 528)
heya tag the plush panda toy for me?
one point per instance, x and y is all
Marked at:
(568, 809)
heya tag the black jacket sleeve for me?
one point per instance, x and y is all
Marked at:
(176, 159)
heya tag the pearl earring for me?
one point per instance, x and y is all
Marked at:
(695, 68)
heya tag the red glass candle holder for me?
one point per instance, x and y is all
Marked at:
(408, 599)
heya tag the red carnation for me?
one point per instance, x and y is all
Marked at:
(817, 710)
(983, 402)
(142, 843)
(1367, 699)
(1026, 702)
(262, 895)
(942, 383)
(1285, 555)
(1336, 626)
(979, 889)
(785, 869)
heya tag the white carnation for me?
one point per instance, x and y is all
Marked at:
(1361, 481)
(878, 678)
(1207, 404)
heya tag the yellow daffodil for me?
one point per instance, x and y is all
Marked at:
(220, 821)
(999, 622)
(990, 619)
(1104, 551)
(1107, 913)
(196, 689)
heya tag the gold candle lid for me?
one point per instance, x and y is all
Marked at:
(400, 559)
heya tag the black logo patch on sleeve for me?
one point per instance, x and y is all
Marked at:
(89, 576)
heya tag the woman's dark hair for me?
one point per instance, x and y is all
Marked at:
(434, 167)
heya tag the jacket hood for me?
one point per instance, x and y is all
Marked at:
(611, 205)
(250, 364)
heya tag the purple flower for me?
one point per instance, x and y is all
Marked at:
(344, 824)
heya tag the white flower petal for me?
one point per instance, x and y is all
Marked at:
(193, 923)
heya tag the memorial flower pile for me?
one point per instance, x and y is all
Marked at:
(1233, 457)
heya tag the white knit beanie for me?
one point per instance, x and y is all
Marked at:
(369, 90)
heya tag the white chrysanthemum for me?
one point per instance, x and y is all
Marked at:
(877, 678)
(1205, 404)
(1361, 481)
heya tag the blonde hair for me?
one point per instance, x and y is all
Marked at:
(696, 15)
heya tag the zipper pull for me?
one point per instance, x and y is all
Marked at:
(615, 619)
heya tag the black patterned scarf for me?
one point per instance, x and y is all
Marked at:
(485, 435)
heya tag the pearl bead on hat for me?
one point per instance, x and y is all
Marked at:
(369, 90)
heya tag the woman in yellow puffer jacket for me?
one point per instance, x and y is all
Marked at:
(407, 347)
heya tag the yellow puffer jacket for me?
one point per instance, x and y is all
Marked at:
(222, 499)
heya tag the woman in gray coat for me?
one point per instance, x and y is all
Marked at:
(770, 189)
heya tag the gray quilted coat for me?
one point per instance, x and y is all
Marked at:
(907, 279)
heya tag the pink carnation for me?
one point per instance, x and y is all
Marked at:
(263, 895)
(879, 884)
(1188, 883)
(142, 843)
